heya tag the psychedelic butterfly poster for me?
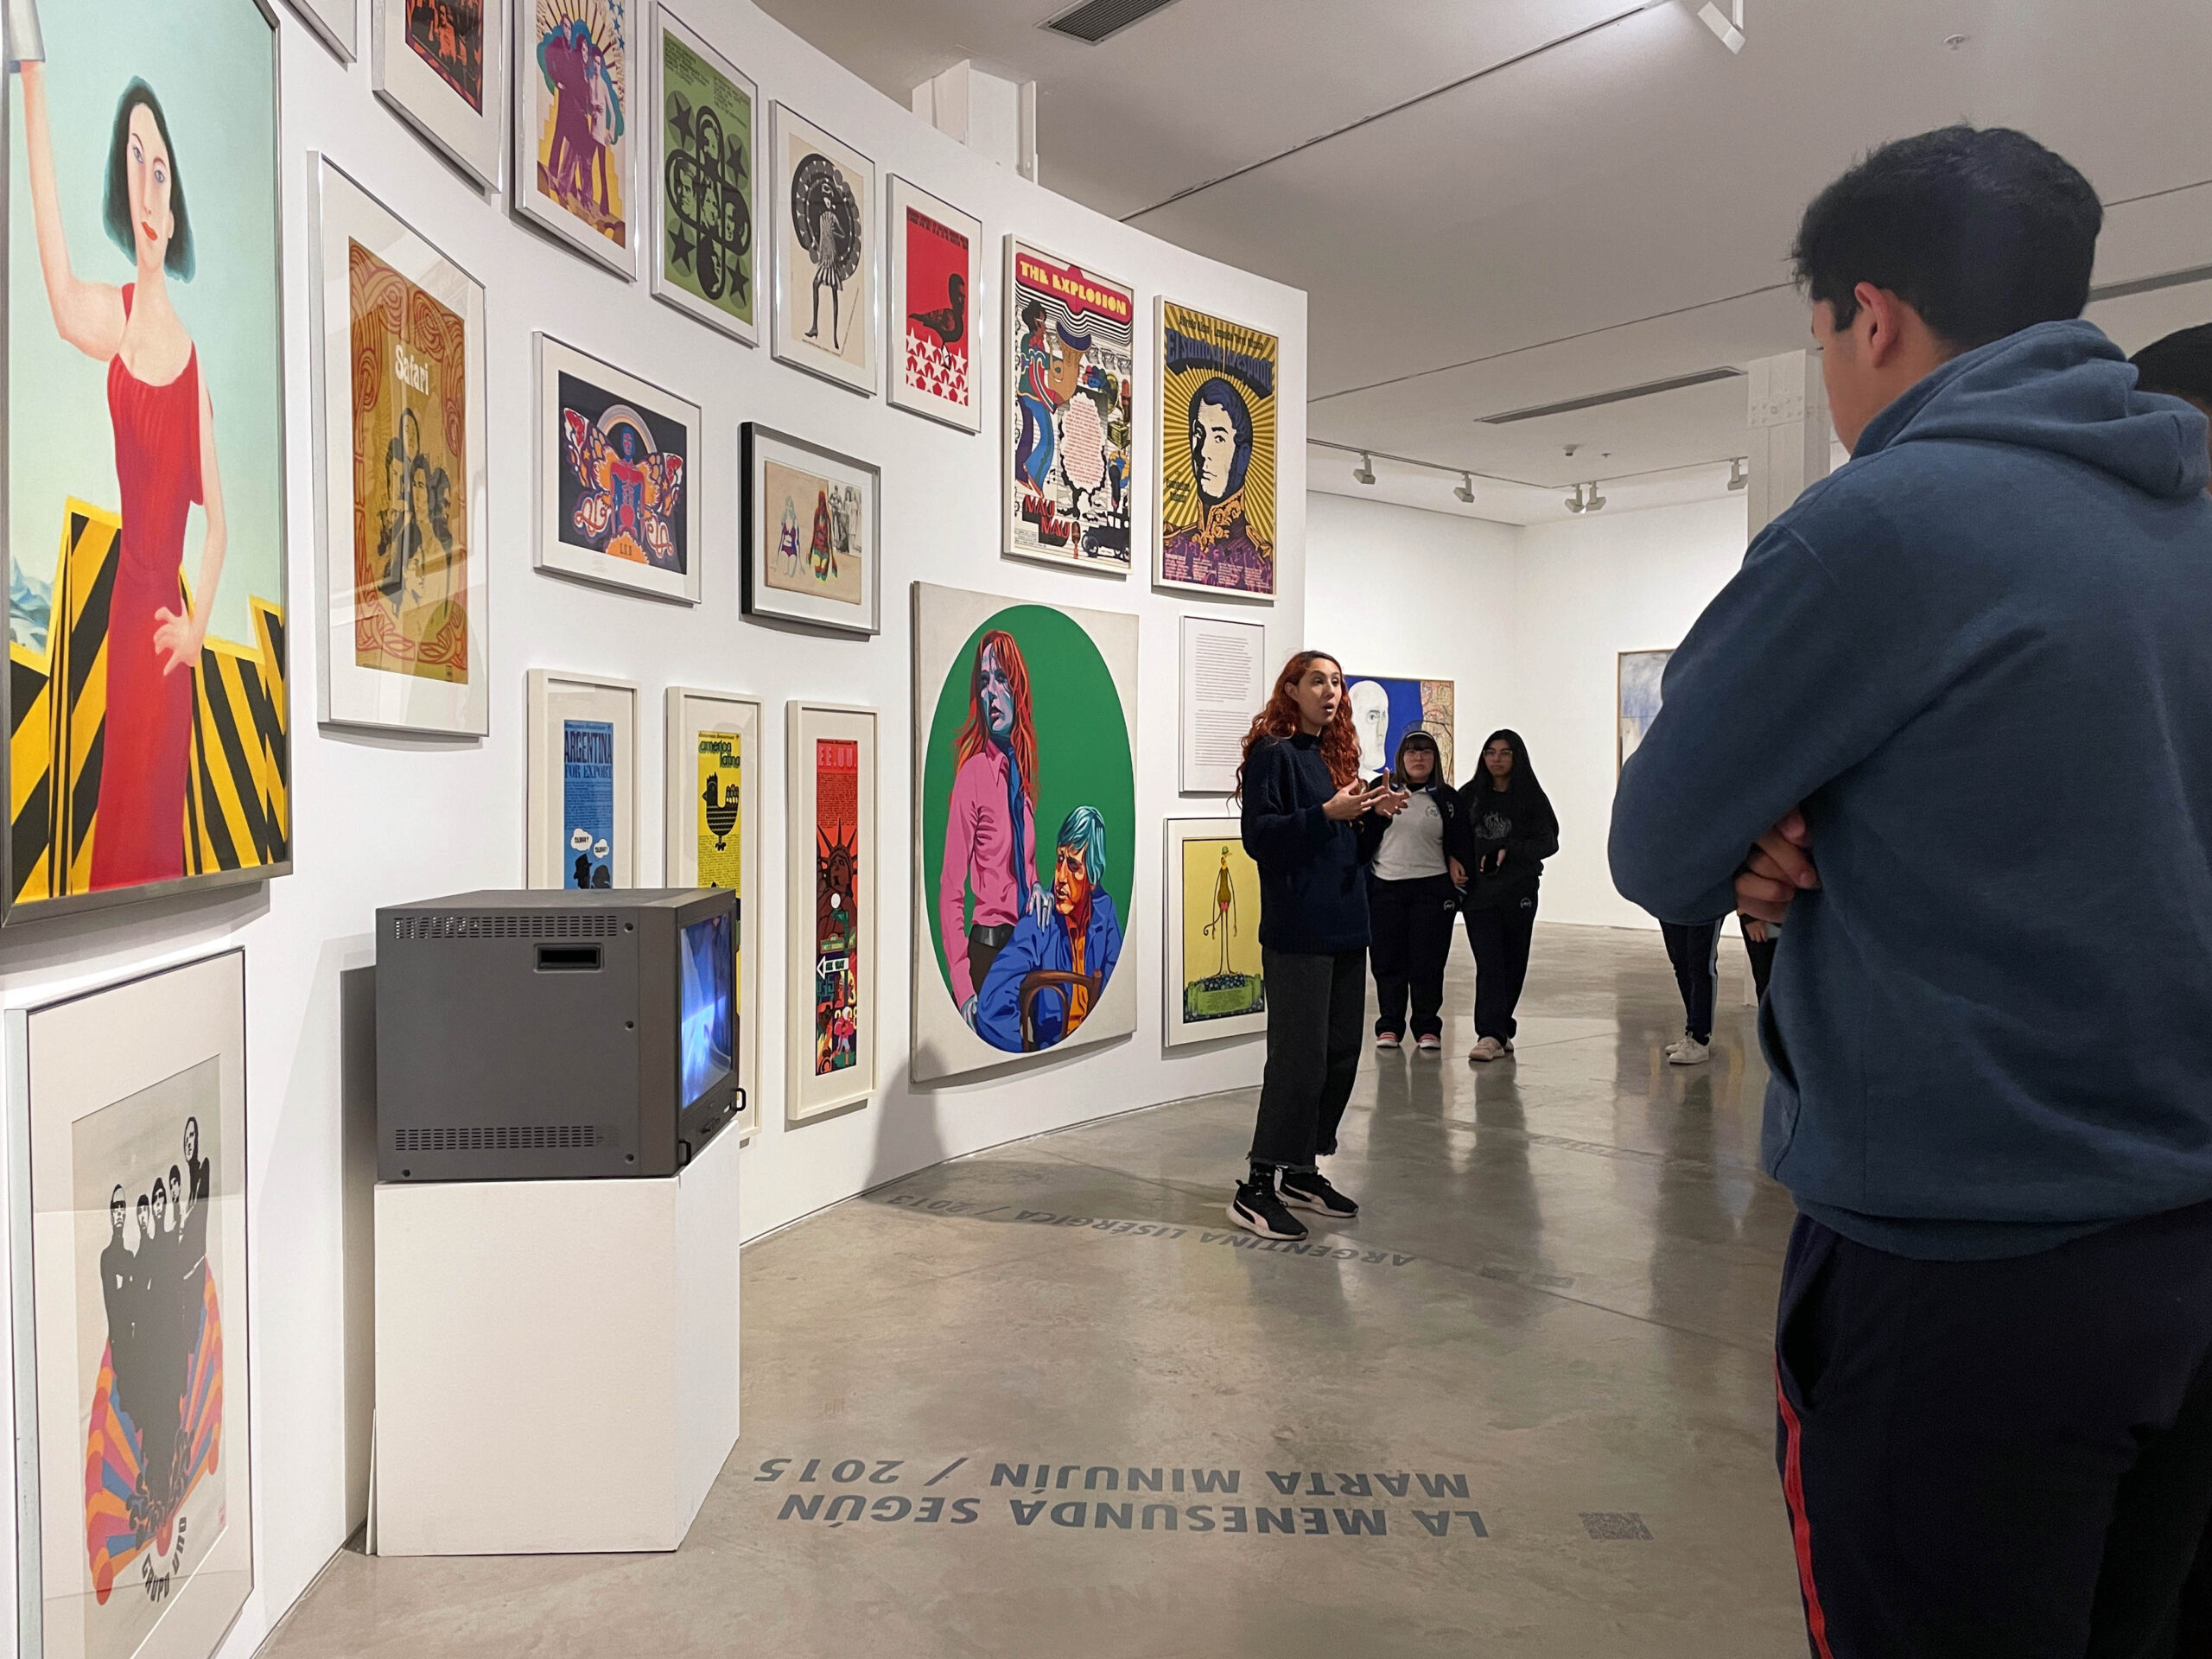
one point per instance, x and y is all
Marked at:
(616, 491)
(703, 254)
(833, 884)
(1216, 448)
(935, 264)
(1071, 362)
(576, 77)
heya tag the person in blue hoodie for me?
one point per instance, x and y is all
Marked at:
(1079, 936)
(1989, 1026)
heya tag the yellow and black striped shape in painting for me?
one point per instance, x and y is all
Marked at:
(237, 805)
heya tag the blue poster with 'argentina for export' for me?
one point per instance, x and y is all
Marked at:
(587, 802)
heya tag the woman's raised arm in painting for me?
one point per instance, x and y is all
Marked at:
(89, 316)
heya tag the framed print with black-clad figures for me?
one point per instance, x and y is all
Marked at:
(714, 840)
(441, 65)
(129, 1233)
(936, 284)
(617, 486)
(813, 533)
(836, 896)
(706, 132)
(582, 823)
(148, 617)
(823, 205)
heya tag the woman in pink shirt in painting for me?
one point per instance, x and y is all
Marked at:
(990, 830)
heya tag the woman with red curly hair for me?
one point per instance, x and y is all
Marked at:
(1311, 827)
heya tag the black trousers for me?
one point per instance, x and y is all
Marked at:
(1695, 949)
(1986, 1459)
(1410, 924)
(1315, 1006)
(1499, 936)
(1762, 957)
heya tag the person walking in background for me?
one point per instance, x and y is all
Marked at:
(1695, 949)
(1506, 830)
(2180, 366)
(1759, 939)
(1411, 892)
(1312, 827)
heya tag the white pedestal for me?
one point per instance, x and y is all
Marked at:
(556, 1361)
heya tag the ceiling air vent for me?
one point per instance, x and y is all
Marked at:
(1599, 400)
(1094, 19)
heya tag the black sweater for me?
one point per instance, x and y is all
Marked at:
(1312, 880)
(1519, 820)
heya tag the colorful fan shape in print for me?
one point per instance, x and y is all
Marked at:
(126, 1506)
(630, 490)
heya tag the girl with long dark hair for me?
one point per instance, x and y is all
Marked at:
(1412, 894)
(1506, 830)
(1312, 826)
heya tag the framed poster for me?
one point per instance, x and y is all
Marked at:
(835, 888)
(1025, 832)
(826, 310)
(616, 497)
(813, 533)
(705, 136)
(1636, 699)
(336, 22)
(583, 782)
(400, 389)
(576, 69)
(128, 1237)
(442, 66)
(1385, 708)
(713, 840)
(937, 272)
(1070, 368)
(1222, 683)
(148, 627)
(1216, 985)
(1217, 454)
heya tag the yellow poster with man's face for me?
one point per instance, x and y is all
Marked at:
(1221, 930)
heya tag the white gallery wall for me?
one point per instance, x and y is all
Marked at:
(379, 819)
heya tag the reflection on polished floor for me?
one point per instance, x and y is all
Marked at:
(1046, 1398)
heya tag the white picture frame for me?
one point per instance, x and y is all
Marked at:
(470, 133)
(616, 404)
(855, 303)
(691, 716)
(1197, 1011)
(563, 786)
(336, 23)
(773, 579)
(668, 28)
(908, 331)
(352, 692)
(810, 1091)
(536, 107)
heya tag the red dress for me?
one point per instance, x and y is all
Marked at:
(146, 748)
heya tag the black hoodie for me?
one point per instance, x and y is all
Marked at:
(1518, 819)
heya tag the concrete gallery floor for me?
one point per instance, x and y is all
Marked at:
(1045, 1396)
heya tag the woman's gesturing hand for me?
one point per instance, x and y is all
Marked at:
(1346, 803)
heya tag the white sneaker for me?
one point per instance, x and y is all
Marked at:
(1387, 1039)
(1429, 1044)
(1689, 1051)
(1488, 1048)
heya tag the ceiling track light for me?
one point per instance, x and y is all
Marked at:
(1574, 502)
(1364, 473)
(1727, 26)
(1739, 474)
(1586, 498)
(1467, 490)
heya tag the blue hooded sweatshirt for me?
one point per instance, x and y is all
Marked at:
(1980, 656)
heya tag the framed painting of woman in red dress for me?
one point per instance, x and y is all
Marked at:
(149, 717)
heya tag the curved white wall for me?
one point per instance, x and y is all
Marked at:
(380, 821)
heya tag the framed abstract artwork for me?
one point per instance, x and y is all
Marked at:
(441, 65)
(148, 618)
(813, 533)
(714, 840)
(128, 1237)
(617, 500)
(1385, 708)
(400, 389)
(937, 282)
(1216, 447)
(826, 307)
(1216, 985)
(1070, 347)
(336, 22)
(577, 66)
(836, 888)
(1636, 699)
(582, 823)
(1024, 829)
(704, 138)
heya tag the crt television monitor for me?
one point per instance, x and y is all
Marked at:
(707, 1020)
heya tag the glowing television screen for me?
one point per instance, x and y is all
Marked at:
(707, 1008)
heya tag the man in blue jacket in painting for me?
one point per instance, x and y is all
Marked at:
(1080, 935)
(1952, 719)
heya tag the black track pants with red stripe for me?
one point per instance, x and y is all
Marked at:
(1999, 1458)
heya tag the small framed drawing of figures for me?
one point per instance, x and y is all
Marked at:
(813, 533)
(128, 1237)
(583, 782)
(577, 64)
(937, 280)
(836, 888)
(336, 22)
(399, 454)
(826, 316)
(705, 136)
(714, 840)
(616, 497)
(145, 487)
(1216, 985)
(442, 65)
(1070, 347)
(1217, 454)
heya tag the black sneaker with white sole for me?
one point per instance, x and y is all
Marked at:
(1257, 1210)
(1312, 1192)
